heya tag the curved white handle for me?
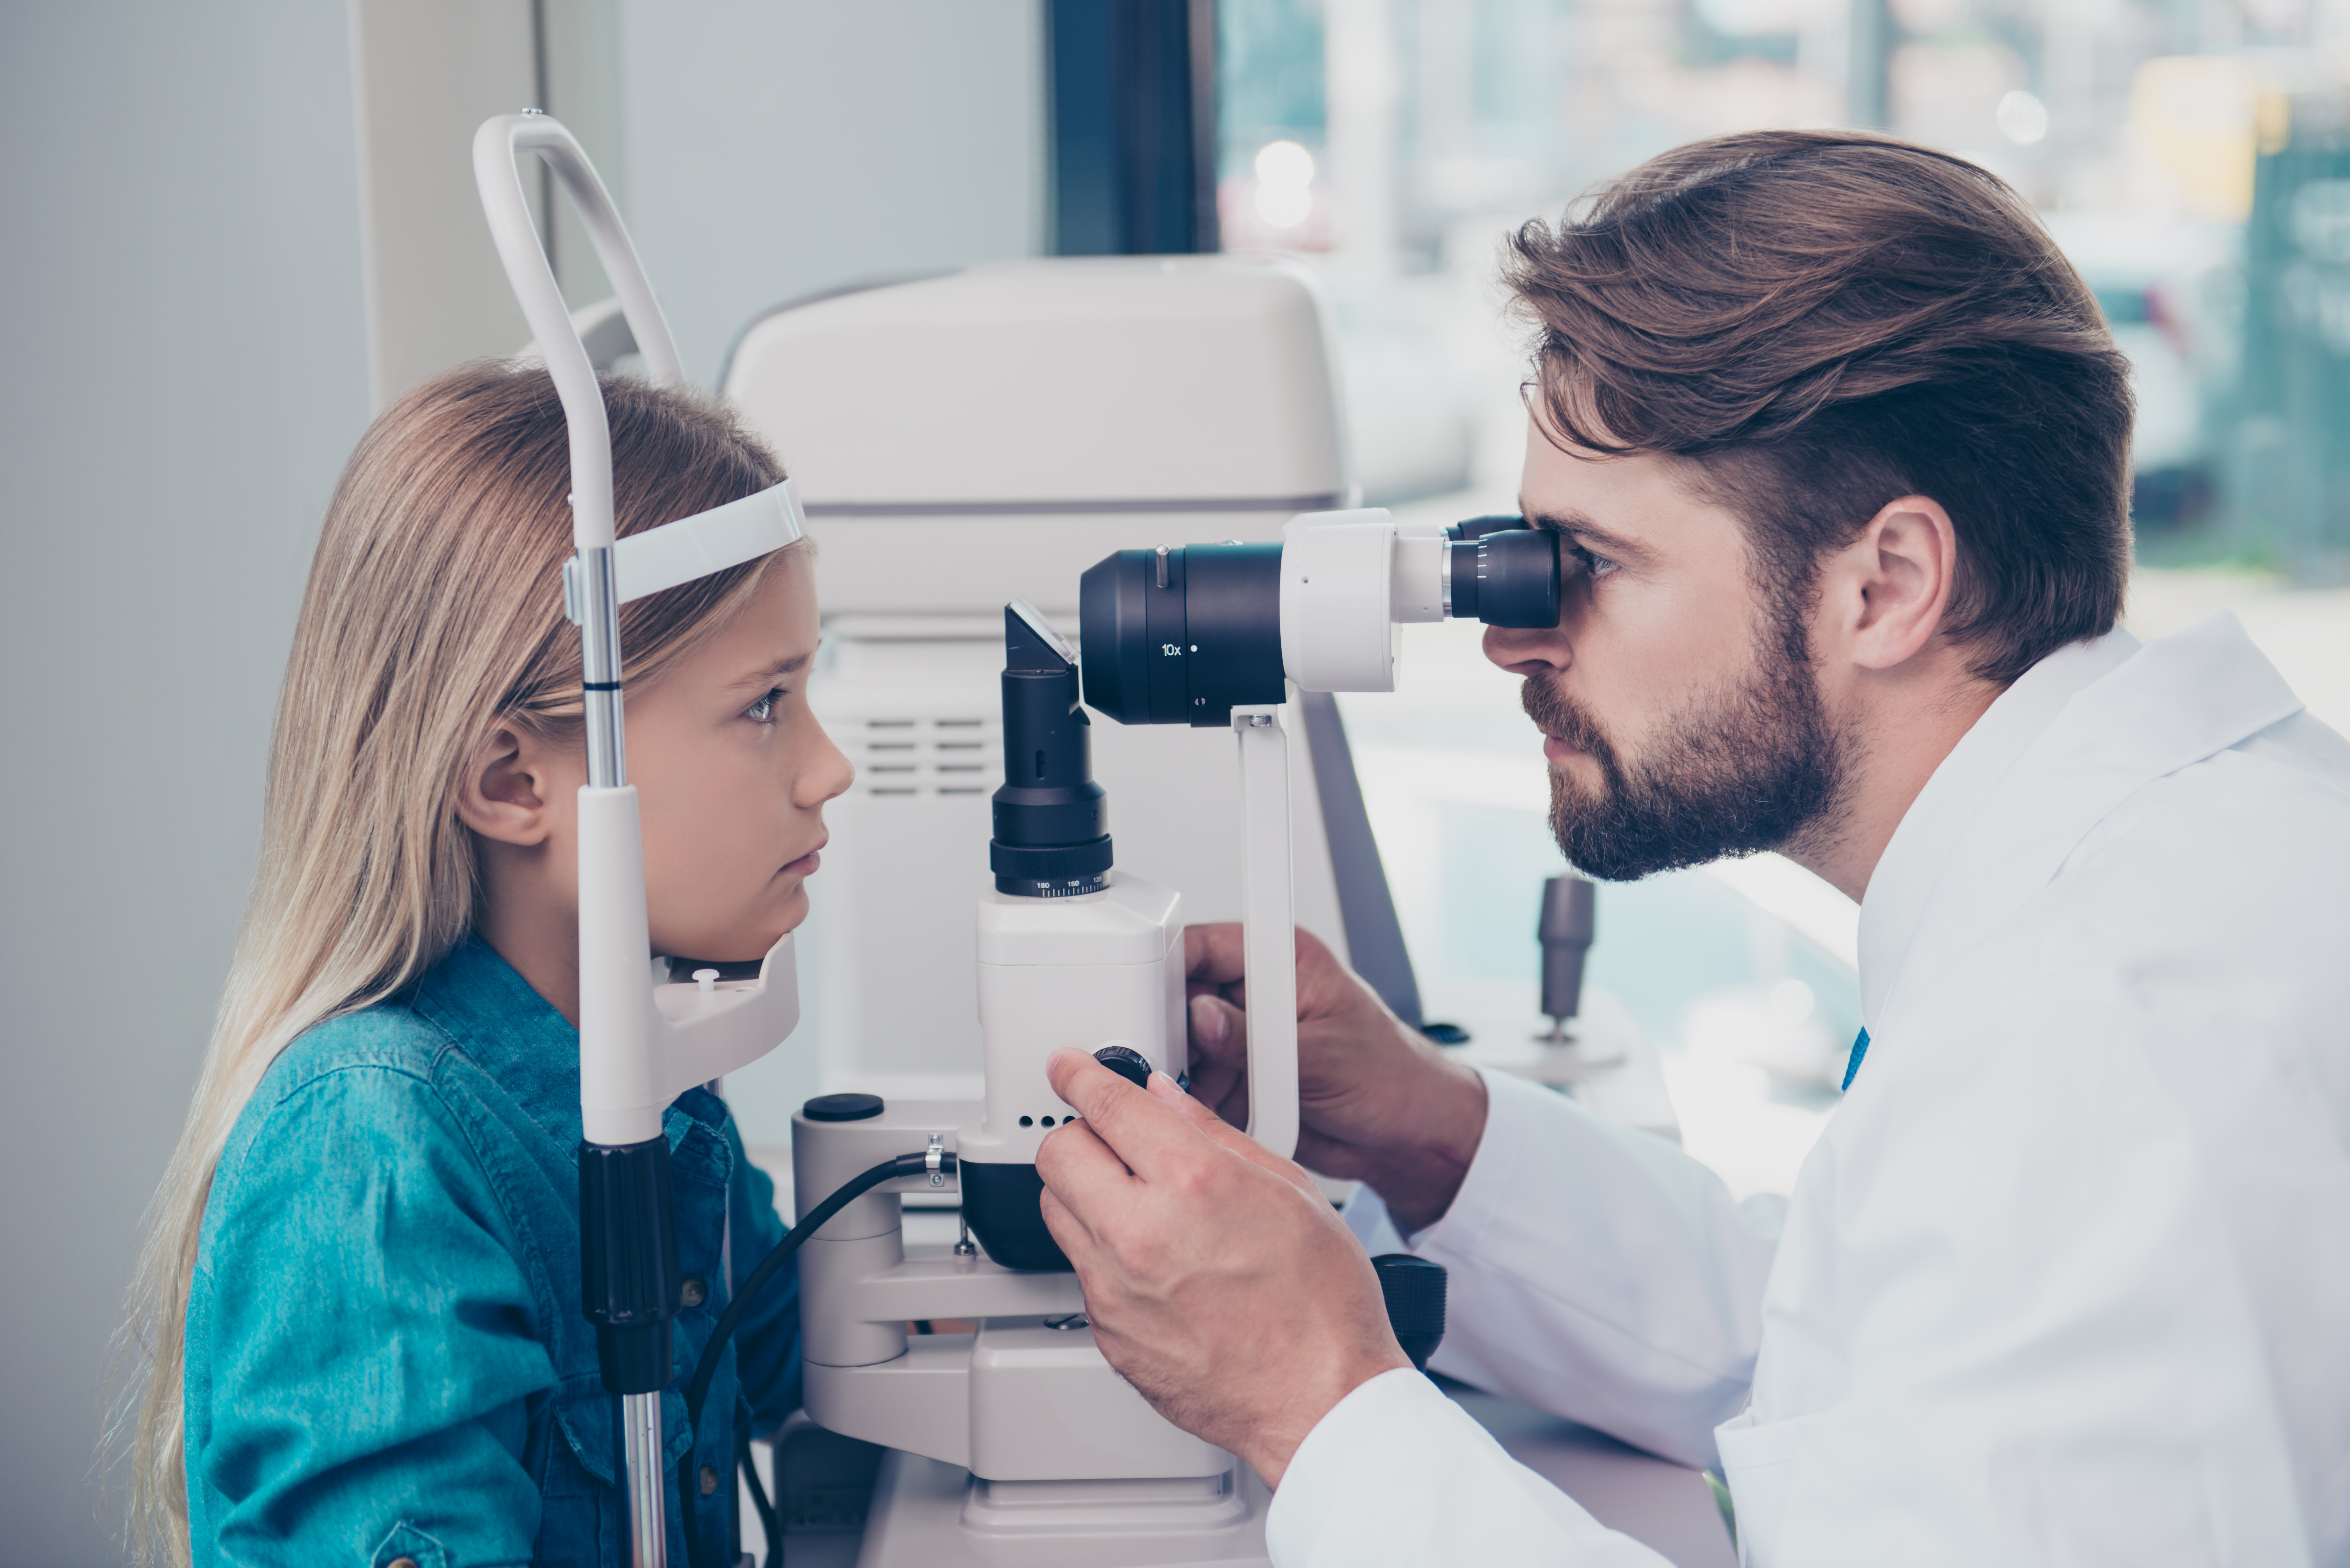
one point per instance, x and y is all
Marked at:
(498, 148)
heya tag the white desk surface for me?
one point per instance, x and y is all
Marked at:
(1651, 1499)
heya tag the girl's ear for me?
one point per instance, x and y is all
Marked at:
(508, 782)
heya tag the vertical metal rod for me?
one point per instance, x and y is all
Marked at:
(640, 1423)
(599, 661)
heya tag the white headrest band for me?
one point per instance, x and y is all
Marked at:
(678, 552)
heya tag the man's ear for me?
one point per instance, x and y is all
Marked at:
(503, 791)
(1886, 592)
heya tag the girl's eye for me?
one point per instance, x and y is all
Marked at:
(762, 711)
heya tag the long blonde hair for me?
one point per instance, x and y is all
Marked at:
(433, 610)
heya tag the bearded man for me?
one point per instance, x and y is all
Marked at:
(1839, 445)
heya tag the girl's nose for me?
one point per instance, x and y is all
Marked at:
(827, 775)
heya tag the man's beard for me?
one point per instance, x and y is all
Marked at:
(1730, 773)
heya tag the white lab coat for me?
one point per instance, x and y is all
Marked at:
(2067, 1277)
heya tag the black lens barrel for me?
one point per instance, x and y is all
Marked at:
(1182, 636)
(1052, 821)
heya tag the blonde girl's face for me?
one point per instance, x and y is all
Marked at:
(733, 772)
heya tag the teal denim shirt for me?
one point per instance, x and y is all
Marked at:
(385, 1352)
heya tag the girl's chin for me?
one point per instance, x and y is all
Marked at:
(769, 926)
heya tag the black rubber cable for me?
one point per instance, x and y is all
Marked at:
(771, 1519)
(706, 1368)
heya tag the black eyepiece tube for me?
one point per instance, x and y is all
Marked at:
(1052, 821)
(1478, 527)
(1507, 576)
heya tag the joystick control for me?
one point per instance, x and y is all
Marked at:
(1414, 1289)
(1127, 1063)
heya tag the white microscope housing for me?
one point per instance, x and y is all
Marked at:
(957, 443)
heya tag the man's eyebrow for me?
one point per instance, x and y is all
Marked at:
(1587, 533)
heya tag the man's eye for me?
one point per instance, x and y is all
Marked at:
(1594, 566)
(762, 711)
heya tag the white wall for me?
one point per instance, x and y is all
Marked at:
(777, 146)
(428, 72)
(185, 372)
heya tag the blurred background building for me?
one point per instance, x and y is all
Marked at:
(2192, 157)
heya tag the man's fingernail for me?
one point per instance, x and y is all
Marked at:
(1207, 1020)
(1163, 1086)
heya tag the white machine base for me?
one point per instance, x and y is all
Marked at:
(930, 1514)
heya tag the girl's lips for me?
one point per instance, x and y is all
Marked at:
(806, 865)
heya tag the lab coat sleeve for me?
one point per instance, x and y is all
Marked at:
(372, 1340)
(1599, 1273)
(767, 1341)
(1396, 1474)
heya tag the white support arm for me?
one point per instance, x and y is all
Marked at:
(1268, 938)
(498, 147)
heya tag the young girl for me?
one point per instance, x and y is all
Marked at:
(361, 1291)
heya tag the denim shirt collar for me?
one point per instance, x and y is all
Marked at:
(516, 1035)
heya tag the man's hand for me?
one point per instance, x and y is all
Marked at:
(1377, 1101)
(1218, 1280)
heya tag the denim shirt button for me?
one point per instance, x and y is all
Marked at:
(401, 1562)
(695, 1292)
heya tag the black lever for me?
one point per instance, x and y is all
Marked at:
(1414, 1289)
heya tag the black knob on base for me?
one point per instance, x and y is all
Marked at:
(1414, 1289)
(1127, 1063)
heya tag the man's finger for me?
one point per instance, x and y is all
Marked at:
(1214, 958)
(1214, 954)
(1219, 1030)
(1136, 1128)
(1067, 1228)
(1223, 1132)
(1076, 1159)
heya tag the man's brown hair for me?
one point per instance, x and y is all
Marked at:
(1821, 322)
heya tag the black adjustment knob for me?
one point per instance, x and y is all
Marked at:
(842, 1107)
(1414, 1289)
(1127, 1063)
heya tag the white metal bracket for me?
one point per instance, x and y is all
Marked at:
(1268, 918)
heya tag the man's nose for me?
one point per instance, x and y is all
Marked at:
(1527, 651)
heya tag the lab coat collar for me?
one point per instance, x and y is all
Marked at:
(2073, 736)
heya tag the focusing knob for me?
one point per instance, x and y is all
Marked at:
(1127, 1063)
(1414, 1289)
